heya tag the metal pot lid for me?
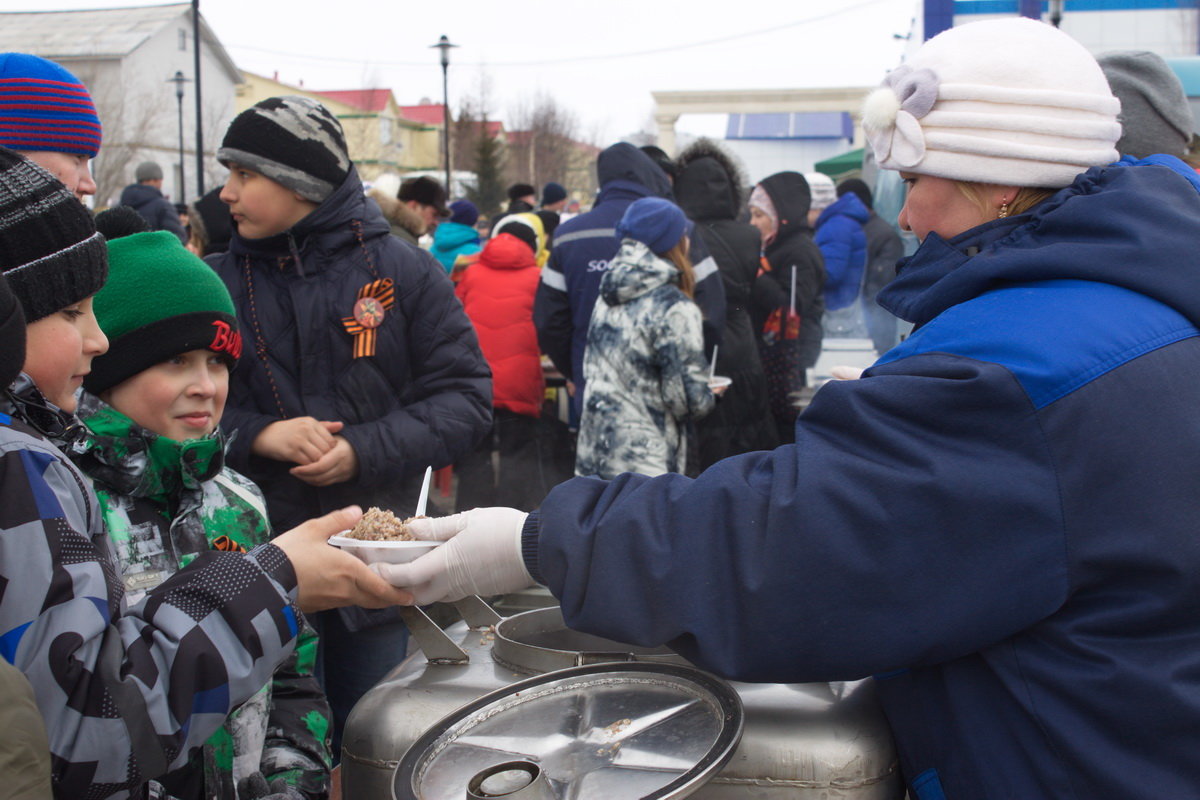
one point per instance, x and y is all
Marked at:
(626, 730)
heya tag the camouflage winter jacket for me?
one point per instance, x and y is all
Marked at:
(645, 369)
(164, 503)
(127, 692)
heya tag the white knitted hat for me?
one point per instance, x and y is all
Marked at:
(1009, 101)
(824, 193)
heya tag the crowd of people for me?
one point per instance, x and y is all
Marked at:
(188, 415)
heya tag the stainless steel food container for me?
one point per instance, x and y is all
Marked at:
(814, 741)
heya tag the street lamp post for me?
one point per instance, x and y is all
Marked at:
(199, 110)
(179, 81)
(444, 45)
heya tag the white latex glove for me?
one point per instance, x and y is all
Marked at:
(843, 373)
(482, 556)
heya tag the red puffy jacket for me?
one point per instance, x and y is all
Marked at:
(497, 293)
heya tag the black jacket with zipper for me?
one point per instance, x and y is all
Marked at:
(423, 399)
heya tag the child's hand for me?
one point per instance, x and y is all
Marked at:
(328, 577)
(302, 440)
(336, 466)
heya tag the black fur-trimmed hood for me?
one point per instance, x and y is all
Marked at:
(710, 183)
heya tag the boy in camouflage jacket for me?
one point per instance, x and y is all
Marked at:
(156, 459)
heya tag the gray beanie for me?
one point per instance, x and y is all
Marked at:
(148, 171)
(1155, 115)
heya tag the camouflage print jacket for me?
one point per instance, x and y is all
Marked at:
(164, 503)
(126, 691)
(644, 369)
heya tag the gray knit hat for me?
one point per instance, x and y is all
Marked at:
(50, 252)
(294, 141)
(148, 171)
(1155, 115)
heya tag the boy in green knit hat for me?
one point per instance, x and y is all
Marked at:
(155, 455)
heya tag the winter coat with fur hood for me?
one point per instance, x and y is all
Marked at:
(405, 223)
(708, 190)
(644, 367)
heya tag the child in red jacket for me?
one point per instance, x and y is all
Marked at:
(497, 293)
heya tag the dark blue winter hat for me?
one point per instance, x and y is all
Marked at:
(464, 212)
(657, 223)
(552, 193)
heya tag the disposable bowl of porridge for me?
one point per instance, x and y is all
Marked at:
(382, 537)
(719, 382)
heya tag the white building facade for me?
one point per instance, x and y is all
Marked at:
(127, 58)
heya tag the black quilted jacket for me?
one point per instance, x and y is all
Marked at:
(424, 398)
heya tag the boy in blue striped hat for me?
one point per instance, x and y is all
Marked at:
(47, 115)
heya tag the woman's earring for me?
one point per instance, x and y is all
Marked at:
(1003, 210)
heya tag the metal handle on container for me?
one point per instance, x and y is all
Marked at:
(476, 613)
(433, 641)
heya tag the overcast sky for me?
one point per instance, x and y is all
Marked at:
(600, 59)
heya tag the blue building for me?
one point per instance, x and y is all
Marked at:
(1170, 28)
(1166, 27)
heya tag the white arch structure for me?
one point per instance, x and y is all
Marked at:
(669, 106)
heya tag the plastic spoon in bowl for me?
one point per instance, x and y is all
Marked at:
(712, 369)
(423, 499)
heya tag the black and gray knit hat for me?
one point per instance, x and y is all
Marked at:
(294, 141)
(50, 252)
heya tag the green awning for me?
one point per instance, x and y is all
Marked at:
(842, 165)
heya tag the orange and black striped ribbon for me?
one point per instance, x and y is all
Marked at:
(365, 338)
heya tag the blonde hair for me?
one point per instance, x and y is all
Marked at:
(1026, 197)
(678, 255)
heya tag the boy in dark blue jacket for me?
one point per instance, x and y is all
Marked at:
(362, 368)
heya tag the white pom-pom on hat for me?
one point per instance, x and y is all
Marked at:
(880, 109)
(1018, 102)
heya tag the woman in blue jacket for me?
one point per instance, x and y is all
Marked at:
(997, 520)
